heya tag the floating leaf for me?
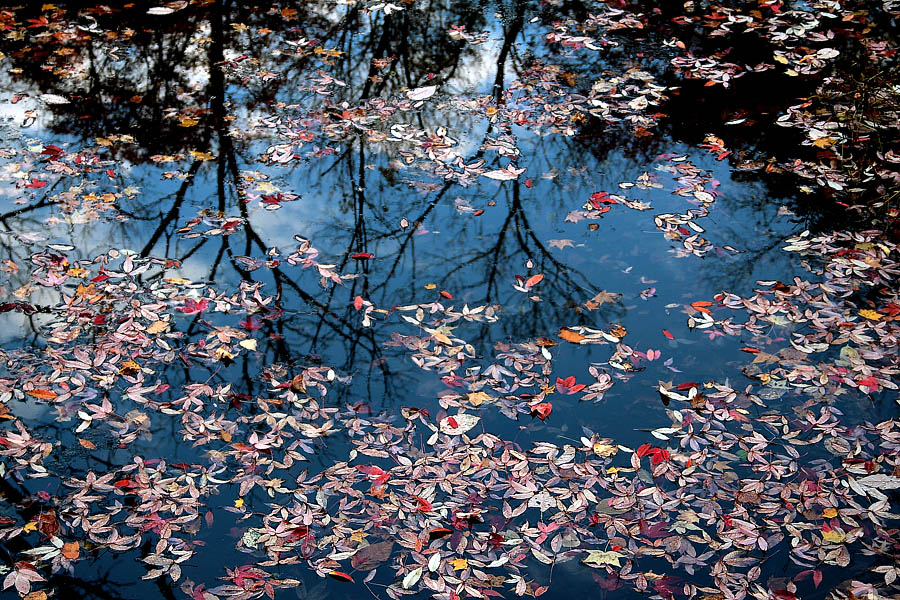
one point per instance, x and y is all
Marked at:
(421, 93)
(54, 99)
(459, 564)
(340, 576)
(411, 578)
(604, 450)
(70, 550)
(571, 336)
(599, 558)
(458, 424)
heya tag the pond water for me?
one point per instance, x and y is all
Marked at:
(372, 172)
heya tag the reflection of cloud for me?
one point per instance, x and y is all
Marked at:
(477, 71)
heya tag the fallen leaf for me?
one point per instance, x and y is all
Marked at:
(70, 550)
(459, 564)
(458, 424)
(340, 576)
(599, 558)
(421, 93)
(571, 336)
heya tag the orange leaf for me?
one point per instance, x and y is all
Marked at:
(42, 394)
(534, 280)
(87, 444)
(70, 550)
(571, 336)
(668, 334)
(701, 306)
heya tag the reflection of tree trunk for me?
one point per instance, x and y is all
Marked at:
(510, 36)
(174, 210)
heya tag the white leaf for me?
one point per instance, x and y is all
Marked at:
(464, 422)
(879, 481)
(507, 174)
(411, 578)
(421, 93)
(434, 562)
(160, 10)
(54, 99)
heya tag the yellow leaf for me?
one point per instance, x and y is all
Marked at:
(430, 286)
(239, 503)
(459, 564)
(477, 398)
(834, 536)
(157, 327)
(870, 314)
(599, 558)
(781, 59)
(129, 367)
(830, 512)
(29, 527)
(442, 338)
(605, 450)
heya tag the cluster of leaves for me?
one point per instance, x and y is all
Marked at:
(438, 504)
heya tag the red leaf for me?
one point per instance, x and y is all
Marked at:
(424, 505)
(361, 255)
(446, 295)
(668, 334)
(340, 576)
(529, 183)
(478, 212)
(542, 410)
(452, 422)
(869, 382)
(750, 349)
(686, 386)
(192, 307)
(36, 183)
(358, 303)
(817, 577)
